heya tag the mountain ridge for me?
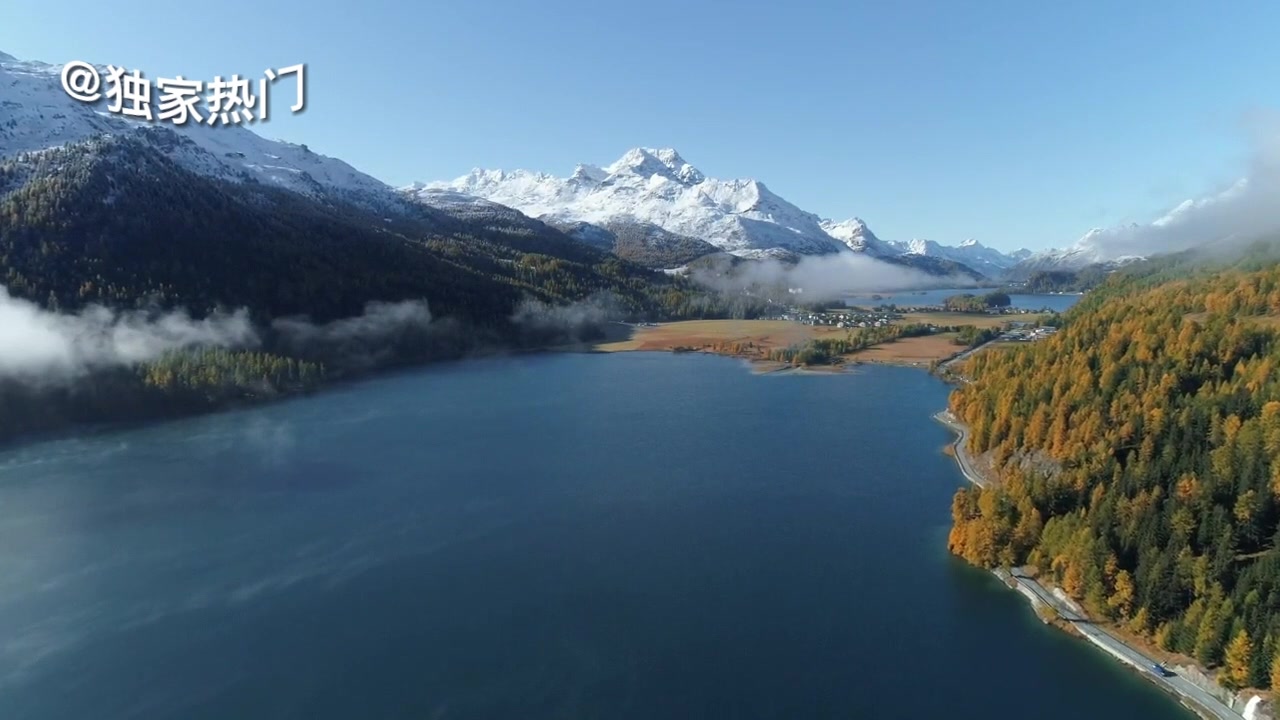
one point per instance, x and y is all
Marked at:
(693, 211)
(657, 186)
(36, 114)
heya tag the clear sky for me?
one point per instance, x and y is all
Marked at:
(1018, 123)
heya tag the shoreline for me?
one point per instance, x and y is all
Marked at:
(110, 425)
(1190, 695)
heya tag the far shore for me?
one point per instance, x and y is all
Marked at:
(753, 340)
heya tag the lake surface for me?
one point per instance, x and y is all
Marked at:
(1059, 303)
(585, 536)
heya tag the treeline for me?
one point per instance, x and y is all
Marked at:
(176, 384)
(1055, 281)
(968, 302)
(825, 351)
(1138, 462)
(113, 221)
(213, 375)
(972, 336)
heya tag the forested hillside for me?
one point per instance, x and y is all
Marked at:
(1138, 461)
(111, 220)
(115, 222)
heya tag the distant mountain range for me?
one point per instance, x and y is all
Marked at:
(651, 206)
(1086, 252)
(99, 209)
(658, 188)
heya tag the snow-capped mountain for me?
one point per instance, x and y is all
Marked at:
(855, 234)
(988, 261)
(36, 113)
(1091, 249)
(656, 186)
(651, 204)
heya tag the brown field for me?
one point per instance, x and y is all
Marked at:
(979, 320)
(704, 334)
(910, 351)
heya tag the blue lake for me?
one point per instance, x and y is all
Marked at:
(1059, 303)
(556, 536)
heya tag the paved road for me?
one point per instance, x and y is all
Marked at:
(961, 357)
(960, 447)
(1210, 706)
(1099, 636)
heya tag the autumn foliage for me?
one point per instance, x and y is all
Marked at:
(1158, 409)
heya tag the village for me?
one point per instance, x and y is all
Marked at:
(1026, 333)
(850, 318)
(858, 317)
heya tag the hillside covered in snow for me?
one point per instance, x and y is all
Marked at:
(658, 187)
(37, 114)
(650, 206)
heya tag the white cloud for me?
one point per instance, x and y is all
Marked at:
(1247, 209)
(40, 346)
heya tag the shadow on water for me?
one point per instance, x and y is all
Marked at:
(636, 536)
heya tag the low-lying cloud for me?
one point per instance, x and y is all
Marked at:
(826, 277)
(366, 340)
(40, 345)
(1248, 209)
(576, 322)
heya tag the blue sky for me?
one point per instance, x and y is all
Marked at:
(1018, 123)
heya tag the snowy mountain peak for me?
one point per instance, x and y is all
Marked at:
(37, 114)
(589, 174)
(971, 253)
(648, 162)
(655, 186)
(858, 237)
(916, 246)
(658, 187)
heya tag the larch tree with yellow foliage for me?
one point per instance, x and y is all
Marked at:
(1136, 457)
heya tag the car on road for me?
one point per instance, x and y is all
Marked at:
(1161, 670)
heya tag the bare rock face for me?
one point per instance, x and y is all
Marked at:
(1255, 708)
(1248, 704)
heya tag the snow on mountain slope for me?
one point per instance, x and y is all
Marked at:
(855, 234)
(1242, 211)
(645, 188)
(35, 114)
(658, 187)
(1091, 249)
(988, 261)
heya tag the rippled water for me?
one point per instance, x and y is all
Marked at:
(587, 536)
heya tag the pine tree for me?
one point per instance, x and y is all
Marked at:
(1235, 674)
(1121, 601)
(1275, 670)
